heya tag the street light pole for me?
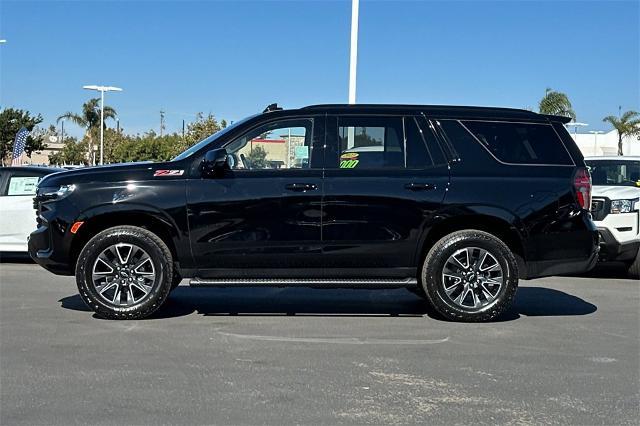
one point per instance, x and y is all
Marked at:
(102, 89)
(353, 63)
(101, 127)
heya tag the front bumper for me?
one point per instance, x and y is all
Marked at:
(50, 244)
(46, 251)
(613, 250)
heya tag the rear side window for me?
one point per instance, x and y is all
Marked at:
(370, 142)
(376, 142)
(422, 148)
(520, 143)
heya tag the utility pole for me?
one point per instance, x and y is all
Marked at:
(183, 130)
(161, 122)
(62, 133)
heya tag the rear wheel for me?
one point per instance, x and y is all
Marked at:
(124, 272)
(470, 275)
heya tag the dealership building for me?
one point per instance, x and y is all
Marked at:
(605, 143)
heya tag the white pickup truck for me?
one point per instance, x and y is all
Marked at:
(615, 208)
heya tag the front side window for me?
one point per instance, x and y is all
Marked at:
(520, 143)
(384, 142)
(22, 185)
(284, 144)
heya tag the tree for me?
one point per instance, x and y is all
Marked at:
(73, 152)
(11, 121)
(201, 128)
(556, 103)
(146, 147)
(89, 119)
(258, 158)
(628, 124)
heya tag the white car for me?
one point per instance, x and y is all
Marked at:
(615, 208)
(17, 216)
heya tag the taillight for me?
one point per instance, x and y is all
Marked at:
(582, 185)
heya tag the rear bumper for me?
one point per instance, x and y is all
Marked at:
(573, 248)
(547, 268)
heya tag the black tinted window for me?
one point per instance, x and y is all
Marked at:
(370, 142)
(385, 142)
(520, 143)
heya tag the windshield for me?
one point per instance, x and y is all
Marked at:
(189, 151)
(614, 172)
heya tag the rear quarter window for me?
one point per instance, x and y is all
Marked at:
(520, 143)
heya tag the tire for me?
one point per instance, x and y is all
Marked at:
(634, 267)
(452, 289)
(128, 259)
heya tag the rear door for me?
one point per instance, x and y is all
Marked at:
(17, 216)
(384, 179)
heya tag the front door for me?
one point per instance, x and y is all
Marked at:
(263, 216)
(385, 176)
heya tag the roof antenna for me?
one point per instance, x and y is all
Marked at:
(272, 107)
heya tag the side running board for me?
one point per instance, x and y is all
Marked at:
(304, 282)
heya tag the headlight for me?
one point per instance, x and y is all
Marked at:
(57, 194)
(624, 206)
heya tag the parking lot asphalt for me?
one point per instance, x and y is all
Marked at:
(567, 353)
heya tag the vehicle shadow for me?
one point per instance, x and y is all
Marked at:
(15, 257)
(607, 270)
(250, 301)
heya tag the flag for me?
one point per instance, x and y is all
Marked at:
(18, 146)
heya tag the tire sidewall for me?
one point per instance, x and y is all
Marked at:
(99, 243)
(434, 285)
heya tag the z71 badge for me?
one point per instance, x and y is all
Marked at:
(168, 173)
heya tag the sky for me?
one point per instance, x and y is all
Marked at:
(232, 58)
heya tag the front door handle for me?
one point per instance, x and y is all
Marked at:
(301, 187)
(420, 186)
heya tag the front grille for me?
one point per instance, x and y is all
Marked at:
(600, 208)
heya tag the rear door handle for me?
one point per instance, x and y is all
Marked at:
(301, 187)
(420, 186)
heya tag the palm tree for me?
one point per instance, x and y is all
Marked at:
(89, 119)
(556, 103)
(628, 124)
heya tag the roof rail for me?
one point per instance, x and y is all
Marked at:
(272, 107)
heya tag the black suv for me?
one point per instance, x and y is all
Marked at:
(454, 203)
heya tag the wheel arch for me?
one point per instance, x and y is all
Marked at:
(502, 227)
(99, 221)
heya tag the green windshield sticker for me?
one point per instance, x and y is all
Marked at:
(349, 164)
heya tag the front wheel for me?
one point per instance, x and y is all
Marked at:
(124, 272)
(470, 276)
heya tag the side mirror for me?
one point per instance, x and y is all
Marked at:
(214, 161)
